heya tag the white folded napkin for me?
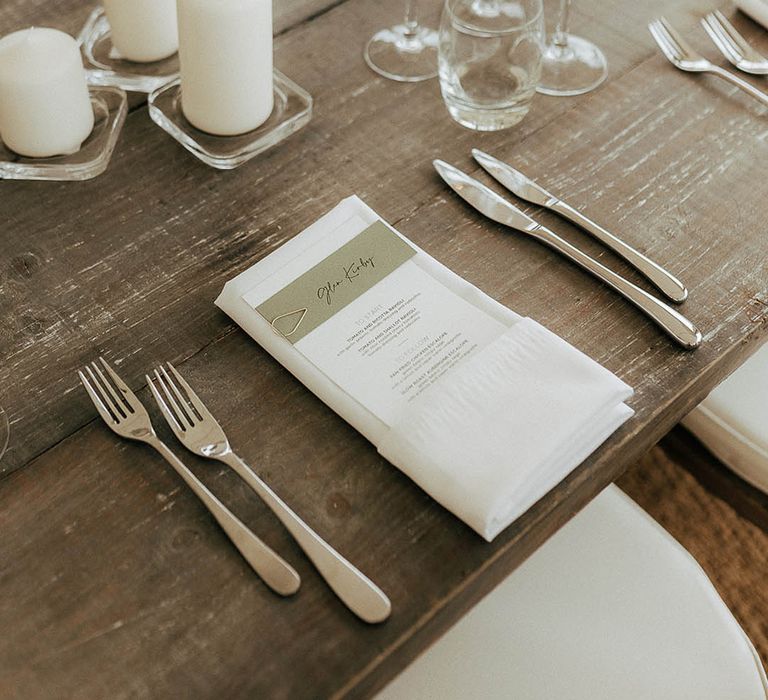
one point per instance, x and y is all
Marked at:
(507, 425)
(756, 9)
(493, 434)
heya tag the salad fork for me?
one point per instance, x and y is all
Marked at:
(126, 416)
(682, 56)
(197, 429)
(733, 45)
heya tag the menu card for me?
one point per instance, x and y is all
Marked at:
(374, 322)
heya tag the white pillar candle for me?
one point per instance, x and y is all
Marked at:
(143, 30)
(45, 108)
(225, 50)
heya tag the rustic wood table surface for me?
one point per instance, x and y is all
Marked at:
(115, 582)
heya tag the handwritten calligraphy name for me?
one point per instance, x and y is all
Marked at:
(350, 274)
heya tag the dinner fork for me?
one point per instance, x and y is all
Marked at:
(127, 417)
(200, 432)
(682, 56)
(733, 45)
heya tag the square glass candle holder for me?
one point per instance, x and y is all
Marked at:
(105, 67)
(292, 110)
(110, 106)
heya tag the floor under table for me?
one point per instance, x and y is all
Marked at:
(717, 517)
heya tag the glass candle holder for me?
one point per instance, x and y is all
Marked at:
(106, 67)
(292, 110)
(110, 106)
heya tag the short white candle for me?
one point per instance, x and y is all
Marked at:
(45, 108)
(225, 49)
(143, 30)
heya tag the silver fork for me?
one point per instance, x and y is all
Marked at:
(733, 45)
(127, 417)
(682, 56)
(200, 433)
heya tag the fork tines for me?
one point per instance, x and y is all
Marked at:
(733, 45)
(725, 36)
(669, 40)
(111, 398)
(177, 400)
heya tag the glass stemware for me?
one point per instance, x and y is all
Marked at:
(406, 52)
(570, 65)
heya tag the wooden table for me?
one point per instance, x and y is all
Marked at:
(114, 581)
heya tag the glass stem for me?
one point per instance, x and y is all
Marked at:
(560, 37)
(411, 20)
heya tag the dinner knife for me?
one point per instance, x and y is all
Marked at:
(500, 210)
(527, 189)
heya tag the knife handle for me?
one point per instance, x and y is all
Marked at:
(669, 285)
(673, 322)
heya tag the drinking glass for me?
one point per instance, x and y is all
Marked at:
(406, 52)
(570, 65)
(489, 60)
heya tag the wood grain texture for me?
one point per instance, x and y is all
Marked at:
(110, 263)
(113, 579)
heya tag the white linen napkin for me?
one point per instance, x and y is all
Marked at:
(497, 431)
(507, 425)
(756, 9)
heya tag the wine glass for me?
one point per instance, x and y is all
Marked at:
(570, 65)
(406, 52)
(4, 432)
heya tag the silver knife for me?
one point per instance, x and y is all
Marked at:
(527, 189)
(495, 207)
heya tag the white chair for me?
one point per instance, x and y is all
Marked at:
(610, 608)
(732, 421)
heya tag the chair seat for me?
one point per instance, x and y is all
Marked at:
(732, 422)
(611, 607)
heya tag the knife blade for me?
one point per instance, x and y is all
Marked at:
(495, 207)
(484, 199)
(527, 189)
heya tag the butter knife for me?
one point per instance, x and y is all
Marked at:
(495, 207)
(527, 189)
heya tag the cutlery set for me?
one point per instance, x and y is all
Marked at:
(197, 429)
(743, 56)
(498, 209)
(728, 40)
